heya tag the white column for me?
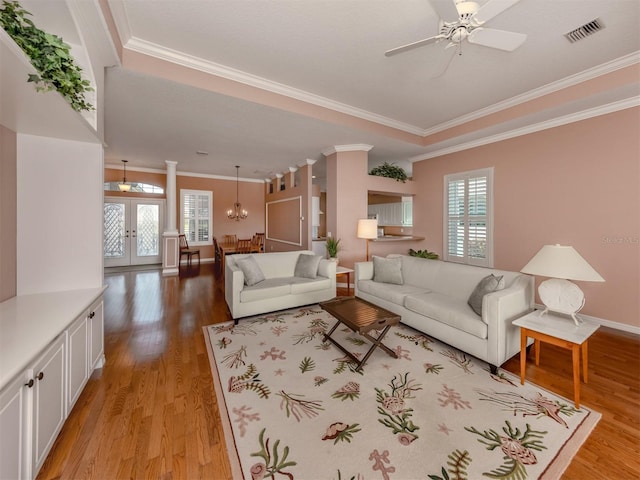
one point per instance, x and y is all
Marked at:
(171, 255)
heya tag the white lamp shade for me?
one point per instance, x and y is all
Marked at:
(367, 228)
(561, 261)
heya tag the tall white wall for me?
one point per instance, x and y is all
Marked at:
(60, 211)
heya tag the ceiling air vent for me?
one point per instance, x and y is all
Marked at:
(585, 30)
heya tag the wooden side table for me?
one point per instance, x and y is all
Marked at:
(559, 331)
(347, 272)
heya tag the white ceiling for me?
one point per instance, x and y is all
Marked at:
(331, 53)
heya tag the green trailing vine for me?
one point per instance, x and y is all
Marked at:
(390, 170)
(50, 56)
(423, 254)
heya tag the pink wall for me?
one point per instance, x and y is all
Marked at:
(577, 184)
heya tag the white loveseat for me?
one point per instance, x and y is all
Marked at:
(280, 289)
(433, 299)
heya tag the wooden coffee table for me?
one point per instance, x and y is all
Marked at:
(361, 317)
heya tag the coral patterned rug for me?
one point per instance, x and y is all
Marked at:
(293, 407)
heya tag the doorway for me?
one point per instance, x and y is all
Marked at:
(132, 231)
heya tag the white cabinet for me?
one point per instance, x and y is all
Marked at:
(407, 214)
(13, 455)
(49, 400)
(47, 359)
(95, 322)
(388, 213)
(78, 359)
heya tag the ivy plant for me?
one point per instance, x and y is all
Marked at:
(390, 170)
(49, 54)
(423, 254)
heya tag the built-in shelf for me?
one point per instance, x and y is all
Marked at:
(397, 238)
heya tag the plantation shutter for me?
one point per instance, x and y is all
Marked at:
(467, 217)
(196, 216)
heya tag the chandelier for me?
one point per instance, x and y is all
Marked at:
(237, 212)
(124, 186)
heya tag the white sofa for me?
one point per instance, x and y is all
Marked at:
(280, 289)
(433, 299)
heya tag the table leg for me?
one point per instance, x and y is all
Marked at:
(537, 346)
(576, 373)
(523, 354)
(585, 360)
(348, 284)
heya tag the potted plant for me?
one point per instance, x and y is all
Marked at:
(333, 245)
(423, 254)
(390, 171)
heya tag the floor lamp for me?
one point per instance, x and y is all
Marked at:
(368, 229)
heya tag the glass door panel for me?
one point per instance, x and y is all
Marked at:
(132, 231)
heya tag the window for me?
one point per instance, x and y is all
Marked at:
(468, 228)
(196, 216)
(136, 187)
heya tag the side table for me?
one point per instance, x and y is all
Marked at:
(559, 331)
(345, 271)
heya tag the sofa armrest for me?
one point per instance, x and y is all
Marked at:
(233, 285)
(499, 309)
(364, 271)
(327, 268)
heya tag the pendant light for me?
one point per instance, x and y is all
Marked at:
(124, 186)
(237, 213)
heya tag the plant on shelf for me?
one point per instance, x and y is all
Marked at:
(333, 245)
(423, 254)
(390, 170)
(50, 56)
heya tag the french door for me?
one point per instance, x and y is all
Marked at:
(132, 231)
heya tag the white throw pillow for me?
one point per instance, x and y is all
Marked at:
(488, 284)
(252, 271)
(387, 270)
(307, 265)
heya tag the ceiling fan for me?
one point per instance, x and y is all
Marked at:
(464, 20)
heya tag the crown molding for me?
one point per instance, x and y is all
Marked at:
(570, 81)
(357, 147)
(112, 166)
(556, 122)
(179, 58)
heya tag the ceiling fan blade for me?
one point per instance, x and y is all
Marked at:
(446, 9)
(411, 46)
(500, 39)
(492, 9)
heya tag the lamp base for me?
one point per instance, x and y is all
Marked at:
(561, 296)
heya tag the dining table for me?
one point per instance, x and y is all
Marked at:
(229, 248)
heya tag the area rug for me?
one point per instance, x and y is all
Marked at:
(294, 406)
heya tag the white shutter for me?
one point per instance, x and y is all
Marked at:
(468, 217)
(196, 211)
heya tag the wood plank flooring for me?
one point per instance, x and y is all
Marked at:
(151, 412)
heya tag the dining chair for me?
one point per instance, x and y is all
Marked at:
(217, 252)
(244, 245)
(185, 250)
(262, 238)
(230, 239)
(257, 244)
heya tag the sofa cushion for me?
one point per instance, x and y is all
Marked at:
(488, 284)
(307, 266)
(306, 285)
(252, 272)
(269, 288)
(447, 310)
(389, 292)
(387, 270)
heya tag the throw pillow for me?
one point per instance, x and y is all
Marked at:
(252, 271)
(488, 284)
(387, 270)
(307, 266)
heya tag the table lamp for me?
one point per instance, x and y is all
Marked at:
(367, 228)
(562, 263)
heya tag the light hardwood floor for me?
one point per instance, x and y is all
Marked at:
(151, 412)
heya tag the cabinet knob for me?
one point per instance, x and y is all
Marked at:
(92, 314)
(29, 384)
(40, 376)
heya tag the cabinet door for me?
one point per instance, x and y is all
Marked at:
(48, 399)
(13, 462)
(95, 321)
(78, 365)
